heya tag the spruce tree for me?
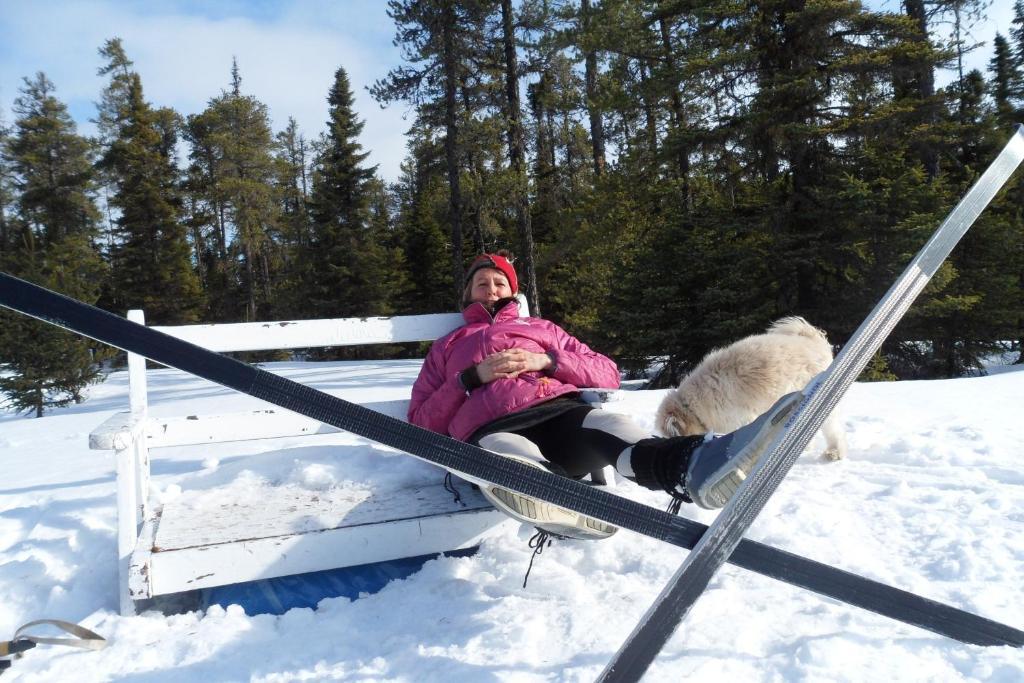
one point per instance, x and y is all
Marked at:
(1005, 78)
(437, 38)
(115, 96)
(350, 269)
(51, 242)
(6, 192)
(294, 231)
(421, 223)
(152, 268)
(1017, 51)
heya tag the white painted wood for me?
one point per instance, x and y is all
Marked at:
(137, 586)
(138, 405)
(292, 531)
(204, 518)
(272, 423)
(142, 478)
(301, 334)
(116, 432)
(127, 516)
(137, 372)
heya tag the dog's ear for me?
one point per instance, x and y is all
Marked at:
(674, 426)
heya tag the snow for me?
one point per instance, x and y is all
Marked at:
(930, 499)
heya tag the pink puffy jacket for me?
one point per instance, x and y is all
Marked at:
(440, 402)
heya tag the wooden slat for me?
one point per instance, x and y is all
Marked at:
(301, 334)
(290, 531)
(117, 432)
(272, 423)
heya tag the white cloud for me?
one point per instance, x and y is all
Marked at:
(287, 60)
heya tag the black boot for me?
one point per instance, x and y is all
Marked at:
(708, 471)
(661, 465)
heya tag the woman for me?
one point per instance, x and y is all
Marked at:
(511, 385)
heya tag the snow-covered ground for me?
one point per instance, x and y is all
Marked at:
(931, 499)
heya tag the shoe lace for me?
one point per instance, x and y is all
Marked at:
(540, 540)
(678, 492)
(677, 502)
(449, 486)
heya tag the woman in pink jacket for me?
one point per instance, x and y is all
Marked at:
(511, 385)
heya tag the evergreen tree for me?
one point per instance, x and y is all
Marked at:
(116, 95)
(979, 305)
(349, 271)
(1017, 48)
(52, 165)
(437, 39)
(6, 193)
(235, 209)
(513, 115)
(150, 255)
(421, 223)
(295, 233)
(148, 245)
(51, 242)
(1005, 78)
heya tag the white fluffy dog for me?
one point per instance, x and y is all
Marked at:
(735, 384)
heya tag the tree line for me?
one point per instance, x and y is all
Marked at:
(671, 174)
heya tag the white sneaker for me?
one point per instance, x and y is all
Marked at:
(545, 516)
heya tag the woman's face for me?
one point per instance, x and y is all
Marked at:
(488, 285)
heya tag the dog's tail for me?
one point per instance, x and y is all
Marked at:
(798, 326)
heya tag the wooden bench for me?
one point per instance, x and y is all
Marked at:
(174, 547)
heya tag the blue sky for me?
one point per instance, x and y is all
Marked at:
(287, 53)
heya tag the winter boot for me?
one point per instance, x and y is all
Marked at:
(545, 516)
(708, 470)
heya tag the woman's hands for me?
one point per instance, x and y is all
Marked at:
(511, 363)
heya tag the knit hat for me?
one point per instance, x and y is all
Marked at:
(497, 262)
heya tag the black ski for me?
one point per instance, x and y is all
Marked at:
(477, 463)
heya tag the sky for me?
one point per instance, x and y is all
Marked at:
(287, 53)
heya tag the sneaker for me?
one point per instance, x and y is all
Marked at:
(545, 516)
(718, 467)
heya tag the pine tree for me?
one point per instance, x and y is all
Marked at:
(1017, 51)
(150, 256)
(6, 193)
(235, 209)
(513, 115)
(421, 223)
(51, 242)
(1005, 78)
(436, 37)
(349, 269)
(292, 167)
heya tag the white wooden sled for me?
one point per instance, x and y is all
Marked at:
(176, 547)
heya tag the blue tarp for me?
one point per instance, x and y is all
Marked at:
(277, 596)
